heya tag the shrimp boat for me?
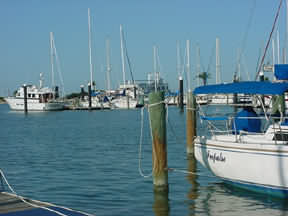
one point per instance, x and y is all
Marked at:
(38, 98)
(251, 150)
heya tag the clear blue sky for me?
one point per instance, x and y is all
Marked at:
(25, 27)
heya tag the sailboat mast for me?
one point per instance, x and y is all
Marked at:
(90, 51)
(198, 66)
(108, 64)
(178, 59)
(52, 58)
(155, 66)
(188, 63)
(122, 55)
(217, 62)
(278, 48)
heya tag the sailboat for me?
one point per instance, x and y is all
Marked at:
(250, 151)
(98, 98)
(126, 99)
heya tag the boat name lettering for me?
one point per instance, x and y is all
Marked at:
(216, 157)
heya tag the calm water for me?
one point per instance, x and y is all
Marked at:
(89, 161)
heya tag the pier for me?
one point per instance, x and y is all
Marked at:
(11, 204)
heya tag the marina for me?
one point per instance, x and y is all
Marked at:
(89, 162)
(160, 131)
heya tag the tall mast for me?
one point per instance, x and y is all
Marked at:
(218, 79)
(198, 66)
(90, 51)
(52, 58)
(286, 47)
(108, 64)
(178, 59)
(278, 47)
(122, 56)
(155, 65)
(188, 63)
(273, 52)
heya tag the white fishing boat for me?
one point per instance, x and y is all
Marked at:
(247, 152)
(38, 98)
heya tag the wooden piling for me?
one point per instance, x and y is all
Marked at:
(181, 104)
(157, 115)
(82, 93)
(190, 123)
(25, 98)
(89, 96)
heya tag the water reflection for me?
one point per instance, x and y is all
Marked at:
(221, 199)
(192, 179)
(161, 203)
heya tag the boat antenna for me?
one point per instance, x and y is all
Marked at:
(270, 36)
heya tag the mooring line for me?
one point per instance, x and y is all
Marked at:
(34, 205)
(140, 147)
(189, 172)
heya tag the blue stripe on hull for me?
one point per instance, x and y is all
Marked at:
(273, 191)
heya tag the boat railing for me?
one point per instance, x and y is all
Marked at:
(277, 127)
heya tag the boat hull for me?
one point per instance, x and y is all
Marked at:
(17, 104)
(256, 167)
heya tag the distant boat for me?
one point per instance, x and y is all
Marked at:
(126, 99)
(38, 98)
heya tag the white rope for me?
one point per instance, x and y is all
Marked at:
(140, 146)
(31, 204)
(189, 172)
(151, 134)
(155, 104)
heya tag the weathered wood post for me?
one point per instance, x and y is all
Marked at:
(82, 93)
(190, 123)
(89, 96)
(192, 179)
(157, 114)
(180, 103)
(262, 79)
(127, 101)
(25, 98)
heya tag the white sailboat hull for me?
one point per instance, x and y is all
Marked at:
(124, 103)
(257, 164)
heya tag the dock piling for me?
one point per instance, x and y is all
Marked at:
(89, 96)
(191, 123)
(180, 102)
(25, 98)
(157, 114)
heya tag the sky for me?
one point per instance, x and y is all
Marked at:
(241, 26)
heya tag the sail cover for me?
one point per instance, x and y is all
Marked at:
(281, 71)
(249, 87)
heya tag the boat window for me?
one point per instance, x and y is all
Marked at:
(280, 136)
(29, 95)
(33, 95)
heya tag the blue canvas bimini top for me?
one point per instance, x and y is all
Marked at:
(249, 87)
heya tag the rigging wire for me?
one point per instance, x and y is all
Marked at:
(269, 40)
(128, 59)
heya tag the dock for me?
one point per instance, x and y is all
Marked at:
(14, 205)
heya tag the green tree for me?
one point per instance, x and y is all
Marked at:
(204, 76)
